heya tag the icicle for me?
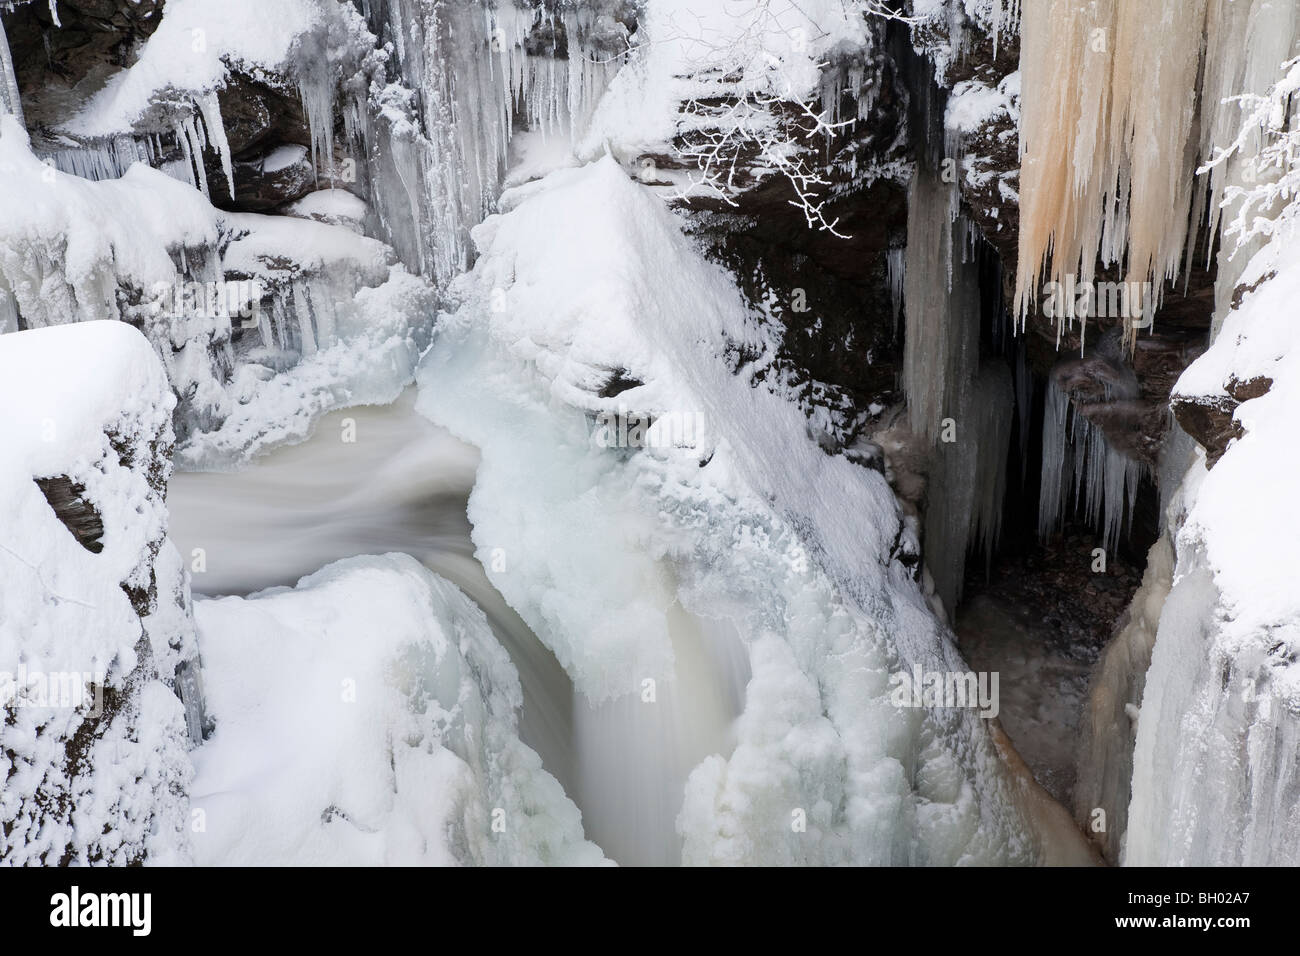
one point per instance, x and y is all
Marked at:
(322, 306)
(303, 312)
(1112, 134)
(317, 96)
(102, 159)
(1052, 487)
(9, 97)
(192, 141)
(1106, 170)
(896, 270)
(216, 134)
(1024, 379)
(941, 348)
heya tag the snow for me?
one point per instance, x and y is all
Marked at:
(367, 717)
(337, 206)
(599, 546)
(972, 103)
(345, 324)
(686, 45)
(1223, 691)
(192, 51)
(89, 402)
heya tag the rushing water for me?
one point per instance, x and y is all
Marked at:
(378, 479)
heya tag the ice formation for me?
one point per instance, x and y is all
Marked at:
(1105, 774)
(1222, 695)
(1082, 471)
(464, 77)
(381, 713)
(93, 604)
(941, 292)
(958, 410)
(1214, 777)
(806, 583)
(9, 98)
(262, 322)
(1113, 131)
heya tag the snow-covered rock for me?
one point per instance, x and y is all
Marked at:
(262, 322)
(102, 611)
(365, 717)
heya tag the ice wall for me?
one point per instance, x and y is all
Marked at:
(463, 77)
(1215, 779)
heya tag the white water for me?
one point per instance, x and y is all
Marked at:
(402, 485)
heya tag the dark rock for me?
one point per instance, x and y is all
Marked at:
(281, 175)
(78, 514)
(618, 383)
(1208, 420)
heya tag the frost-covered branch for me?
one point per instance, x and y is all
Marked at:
(758, 108)
(1268, 148)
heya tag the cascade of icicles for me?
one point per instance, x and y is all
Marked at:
(441, 134)
(202, 129)
(1122, 101)
(1102, 481)
(106, 159)
(968, 483)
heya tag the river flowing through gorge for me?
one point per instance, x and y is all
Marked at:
(376, 479)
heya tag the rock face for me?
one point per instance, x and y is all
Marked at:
(1209, 418)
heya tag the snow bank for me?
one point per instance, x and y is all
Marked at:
(596, 532)
(366, 717)
(89, 782)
